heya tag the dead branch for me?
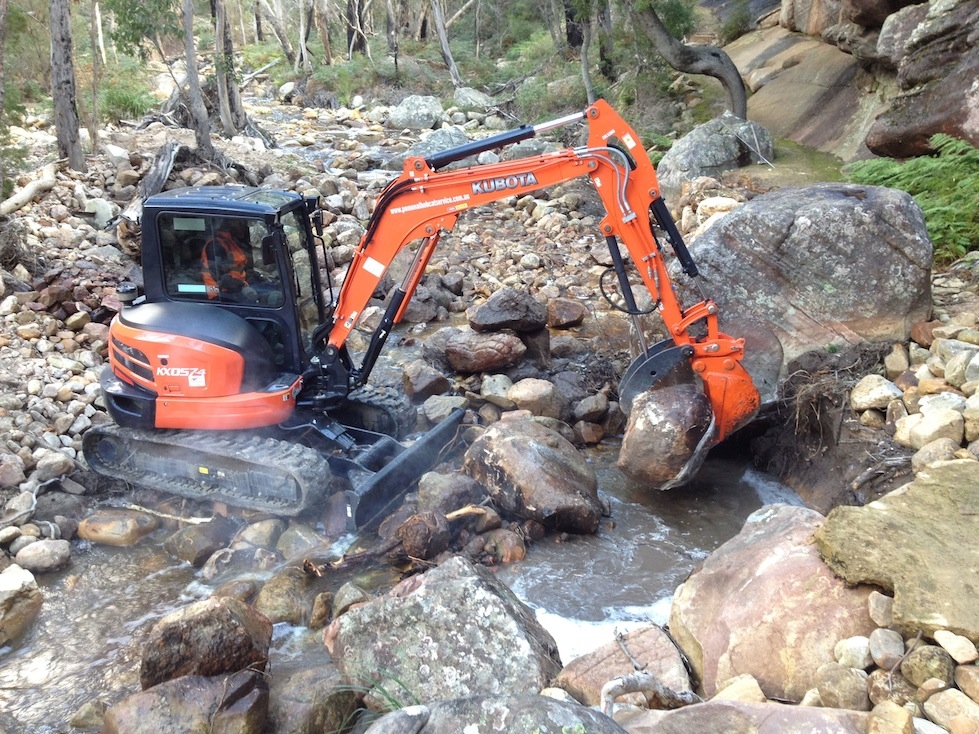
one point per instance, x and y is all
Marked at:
(642, 681)
(44, 182)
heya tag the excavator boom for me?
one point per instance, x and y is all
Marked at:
(423, 202)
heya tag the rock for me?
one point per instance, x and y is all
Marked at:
(210, 638)
(117, 527)
(533, 472)
(540, 397)
(842, 688)
(962, 649)
(44, 556)
(909, 542)
(490, 714)
(20, 602)
(233, 703)
(967, 680)
(283, 597)
(469, 351)
(721, 144)
(422, 381)
(936, 73)
(650, 647)
(947, 705)
(882, 685)
(460, 633)
(665, 429)
(854, 652)
(447, 492)
(298, 540)
(783, 609)
(873, 391)
(565, 313)
(925, 662)
(886, 647)
(742, 717)
(417, 112)
(196, 543)
(796, 233)
(311, 700)
(740, 688)
(508, 308)
(889, 718)
(494, 390)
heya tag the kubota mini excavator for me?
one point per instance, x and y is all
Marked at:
(230, 377)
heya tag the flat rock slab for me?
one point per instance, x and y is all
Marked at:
(918, 542)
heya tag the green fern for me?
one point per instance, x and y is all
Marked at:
(945, 185)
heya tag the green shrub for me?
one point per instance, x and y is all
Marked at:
(945, 185)
(738, 22)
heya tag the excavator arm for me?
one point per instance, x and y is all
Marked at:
(423, 202)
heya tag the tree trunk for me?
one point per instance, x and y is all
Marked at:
(573, 22)
(708, 60)
(239, 119)
(321, 17)
(444, 43)
(303, 64)
(356, 37)
(259, 31)
(221, 68)
(585, 70)
(276, 22)
(95, 33)
(196, 106)
(63, 87)
(606, 65)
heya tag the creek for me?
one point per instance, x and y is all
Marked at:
(86, 642)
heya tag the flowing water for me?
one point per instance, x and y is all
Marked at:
(86, 642)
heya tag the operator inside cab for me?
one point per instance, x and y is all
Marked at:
(226, 259)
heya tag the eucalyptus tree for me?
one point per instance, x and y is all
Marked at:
(63, 87)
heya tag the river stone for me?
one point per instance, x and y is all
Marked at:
(419, 112)
(947, 705)
(491, 714)
(910, 542)
(44, 556)
(20, 601)
(665, 427)
(283, 597)
(886, 647)
(532, 472)
(299, 539)
(196, 543)
(209, 637)
(460, 632)
(962, 649)
(194, 703)
(508, 308)
(540, 397)
(447, 492)
(925, 662)
(822, 264)
(117, 527)
(882, 685)
(854, 652)
(744, 717)
(873, 391)
(967, 680)
(783, 609)
(468, 351)
(565, 313)
(841, 687)
(650, 647)
(311, 700)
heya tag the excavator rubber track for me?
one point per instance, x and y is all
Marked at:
(249, 472)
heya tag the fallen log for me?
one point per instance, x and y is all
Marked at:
(45, 182)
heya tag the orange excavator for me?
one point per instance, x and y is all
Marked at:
(230, 377)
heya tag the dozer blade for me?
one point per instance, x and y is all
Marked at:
(376, 493)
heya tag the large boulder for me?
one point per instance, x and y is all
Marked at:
(824, 264)
(938, 79)
(742, 717)
(533, 472)
(417, 112)
(20, 602)
(913, 542)
(719, 145)
(237, 702)
(210, 637)
(764, 603)
(452, 632)
(492, 714)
